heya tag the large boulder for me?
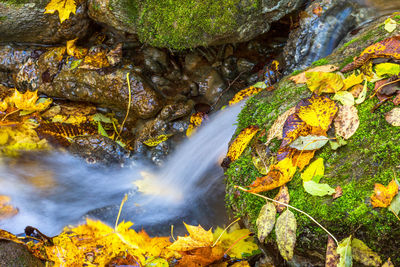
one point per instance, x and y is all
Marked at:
(24, 21)
(371, 156)
(191, 23)
(14, 254)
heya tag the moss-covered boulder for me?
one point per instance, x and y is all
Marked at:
(191, 23)
(25, 21)
(371, 156)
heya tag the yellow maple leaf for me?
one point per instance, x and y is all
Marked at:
(317, 111)
(324, 82)
(198, 237)
(28, 101)
(241, 142)
(64, 8)
(383, 195)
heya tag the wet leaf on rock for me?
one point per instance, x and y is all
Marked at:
(324, 82)
(245, 93)
(309, 142)
(345, 253)
(393, 117)
(28, 101)
(195, 121)
(282, 196)
(285, 230)
(156, 140)
(317, 111)
(293, 128)
(276, 130)
(390, 25)
(198, 237)
(64, 8)
(363, 254)
(332, 258)
(74, 51)
(389, 69)
(383, 195)
(317, 189)
(301, 78)
(240, 143)
(266, 220)
(347, 121)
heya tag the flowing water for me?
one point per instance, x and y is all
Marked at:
(55, 190)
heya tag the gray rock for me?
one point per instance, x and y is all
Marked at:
(25, 22)
(188, 24)
(244, 65)
(17, 255)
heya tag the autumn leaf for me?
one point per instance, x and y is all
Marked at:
(6, 210)
(331, 258)
(95, 59)
(388, 263)
(198, 237)
(345, 253)
(383, 195)
(390, 25)
(363, 254)
(338, 192)
(362, 95)
(285, 229)
(28, 101)
(347, 121)
(276, 130)
(73, 51)
(317, 10)
(389, 69)
(324, 82)
(156, 140)
(352, 80)
(282, 196)
(317, 111)
(344, 97)
(9, 236)
(301, 78)
(266, 220)
(315, 169)
(302, 158)
(279, 174)
(240, 143)
(195, 121)
(309, 142)
(243, 94)
(64, 8)
(293, 128)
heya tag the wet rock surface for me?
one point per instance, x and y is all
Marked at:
(320, 32)
(25, 22)
(14, 254)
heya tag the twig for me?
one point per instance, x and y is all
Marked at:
(289, 206)
(10, 114)
(129, 103)
(229, 87)
(397, 216)
(120, 209)
(383, 85)
(216, 241)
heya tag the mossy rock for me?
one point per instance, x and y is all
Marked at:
(180, 24)
(371, 156)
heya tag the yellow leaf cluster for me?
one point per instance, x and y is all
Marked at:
(383, 195)
(242, 94)
(198, 237)
(324, 82)
(241, 142)
(28, 101)
(352, 80)
(195, 121)
(64, 8)
(319, 113)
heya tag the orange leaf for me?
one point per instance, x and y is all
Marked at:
(198, 238)
(302, 158)
(279, 174)
(241, 142)
(383, 195)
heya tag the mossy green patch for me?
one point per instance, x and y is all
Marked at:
(2, 18)
(320, 62)
(295, 72)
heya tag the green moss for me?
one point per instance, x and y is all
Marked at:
(15, 2)
(397, 18)
(2, 18)
(320, 62)
(295, 72)
(346, 61)
(349, 43)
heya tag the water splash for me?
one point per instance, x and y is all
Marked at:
(55, 190)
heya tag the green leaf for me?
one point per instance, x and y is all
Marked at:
(285, 231)
(389, 69)
(338, 143)
(363, 254)
(363, 94)
(344, 97)
(317, 189)
(309, 142)
(75, 64)
(316, 168)
(395, 204)
(266, 220)
(101, 117)
(260, 85)
(101, 130)
(390, 25)
(344, 251)
(25, 112)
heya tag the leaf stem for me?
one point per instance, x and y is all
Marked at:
(129, 103)
(216, 241)
(289, 206)
(120, 209)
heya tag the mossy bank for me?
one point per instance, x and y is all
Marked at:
(371, 156)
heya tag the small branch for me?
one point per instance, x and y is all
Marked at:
(289, 206)
(229, 87)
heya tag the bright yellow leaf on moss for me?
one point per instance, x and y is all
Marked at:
(64, 8)
(383, 195)
(317, 111)
(352, 80)
(242, 140)
(324, 82)
(28, 101)
(198, 237)
(156, 140)
(242, 94)
(316, 169)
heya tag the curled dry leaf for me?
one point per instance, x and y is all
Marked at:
(338, 192)
(383, 195)
(240, 143)
(245, 93)
(363, 254)
(266, 220)
(393, 117)
(286, 226)
(332, 258)
(347, 121)
(276, 130)
(301, 78)
(324, 82)
(282, 196)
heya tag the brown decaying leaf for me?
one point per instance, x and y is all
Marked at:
(282, 196)
(293, 128)
(387, 87)
(240, 143)
(338, 192)
(285, 229)
(356, 90)
(390, 47)
(383, 195)
(266, 220)
(301, 78)
(332, 257)
(396, 100)
(347, 121)
(276, 129)
(393, 117)
(363, 254)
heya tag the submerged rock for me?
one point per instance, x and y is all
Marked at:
(371, 156)
(14, 254)
(189, 23)
(25, 22)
